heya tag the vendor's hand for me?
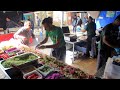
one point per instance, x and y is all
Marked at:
(41, 47)
(37, 46)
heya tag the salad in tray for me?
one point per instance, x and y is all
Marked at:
(19, 60)
(45, 70)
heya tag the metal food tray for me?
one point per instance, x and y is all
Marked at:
(3, 70)
(23, 65)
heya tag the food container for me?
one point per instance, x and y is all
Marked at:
(20, 61)
(38, 65)
(6, 47)
(2, 75)
(28, 69)
(32, 75)
(45, 70)
(20, 52)
(1, 59)
(1, 51)
(55, 75)
(4, 56)
(11, 50)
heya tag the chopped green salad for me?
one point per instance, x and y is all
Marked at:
(18, 60)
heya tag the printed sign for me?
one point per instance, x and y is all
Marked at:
(110, 14)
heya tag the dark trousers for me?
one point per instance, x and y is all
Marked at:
(101, 59)
(59, 53)
(103, 56)
(89, 42)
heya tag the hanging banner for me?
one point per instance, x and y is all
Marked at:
(110, 14)
(27, 16)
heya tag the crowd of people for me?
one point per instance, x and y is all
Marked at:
(109, 37)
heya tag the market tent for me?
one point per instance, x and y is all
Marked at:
(94, 14)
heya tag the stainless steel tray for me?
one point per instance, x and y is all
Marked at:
(23, 65)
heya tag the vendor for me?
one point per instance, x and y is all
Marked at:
(10, 24)
(90, 28)
(109, 42)
(56, 35)
(24, 34)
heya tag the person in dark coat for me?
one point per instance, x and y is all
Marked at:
(108, 42)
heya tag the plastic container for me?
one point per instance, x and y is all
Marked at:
(54, 75)
(4, 56)
(27, 76)
(43, 71)
(1, 51)
(11, 50)
(27, 69)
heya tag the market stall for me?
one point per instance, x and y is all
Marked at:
(26, 63)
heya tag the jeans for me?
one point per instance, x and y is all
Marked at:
(59, 53)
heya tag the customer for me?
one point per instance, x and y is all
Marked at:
(79, 26)
(10, 24)
(108, 42)
(24, 34)
(20, 23)
(90, 28)
(85, 19)
(74, 23)
(56, 35)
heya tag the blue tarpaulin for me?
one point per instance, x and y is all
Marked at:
(102, 20)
